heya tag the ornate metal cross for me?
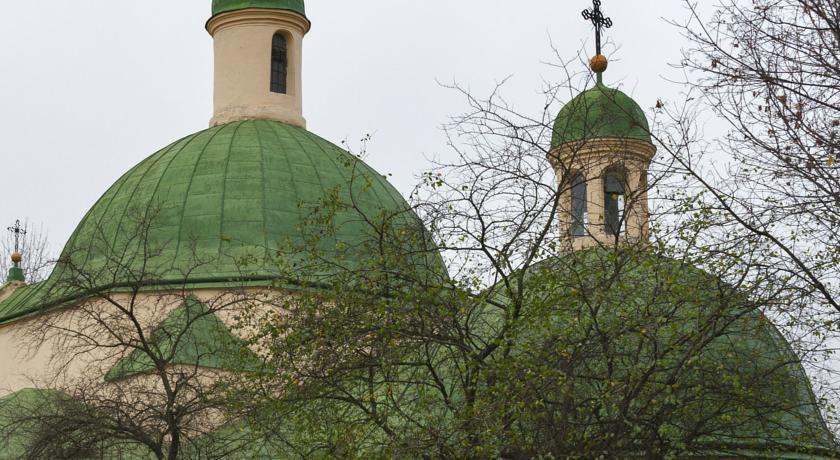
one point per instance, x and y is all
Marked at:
(599, 21)
(18, 231)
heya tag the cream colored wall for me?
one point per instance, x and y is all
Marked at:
(9, 288)
(25, 362)
(242, 88)
(20, 367)
(594, 158)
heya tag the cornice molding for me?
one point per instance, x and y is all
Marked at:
(604, 147)
(259, 16)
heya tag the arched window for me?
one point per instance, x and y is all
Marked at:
(614, 202)
(279, 63)
(580, 214)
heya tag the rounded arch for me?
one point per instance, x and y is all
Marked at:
(579, 204)
(615, 199)
(280, 62)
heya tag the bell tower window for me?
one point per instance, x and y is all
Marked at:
(580, 213)
(614, 203)
(279, 63)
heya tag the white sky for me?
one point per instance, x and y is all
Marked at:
(88, 88)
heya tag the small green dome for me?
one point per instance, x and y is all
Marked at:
(222, 6)
(600, 112)
(16, 274)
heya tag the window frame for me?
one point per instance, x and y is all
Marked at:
(279, 77)
(579, 205)
(615, 201)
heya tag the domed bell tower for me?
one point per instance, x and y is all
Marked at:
(258, 48)
(601, 151)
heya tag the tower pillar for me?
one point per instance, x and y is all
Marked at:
(611, 176)
(258, 65)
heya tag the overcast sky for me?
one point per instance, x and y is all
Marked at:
(88, 88)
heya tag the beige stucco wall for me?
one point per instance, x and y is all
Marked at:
(242, 87)
(9, 288)
(34, 352)
(20, 367)
(594, 158)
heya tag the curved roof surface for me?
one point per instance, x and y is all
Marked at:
(222, 6)
(238, 202)
(600, 112)
(746, 387)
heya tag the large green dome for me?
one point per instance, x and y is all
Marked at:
(744, 394)
(222, 6)
(600, 112)
(235, 202)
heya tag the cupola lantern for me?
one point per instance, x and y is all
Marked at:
(601, 150)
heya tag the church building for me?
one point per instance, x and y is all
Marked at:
(217, 216)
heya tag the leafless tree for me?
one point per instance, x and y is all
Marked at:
(526, 348)
(134, 364)
(770, 70)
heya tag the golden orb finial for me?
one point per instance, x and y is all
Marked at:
(17, 257)
(599, 63)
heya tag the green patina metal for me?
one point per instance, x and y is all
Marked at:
(19, 432)
(748, 347)
(598, 113)
(16, 274)
(191, 335)
(21, 412)
(229, 205)
(17, 414)
(222, 6)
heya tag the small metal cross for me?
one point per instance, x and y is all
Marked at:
(18, 231)
(599, 21)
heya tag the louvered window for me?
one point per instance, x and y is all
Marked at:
(580, 214)
(614, 203)
(279, 64)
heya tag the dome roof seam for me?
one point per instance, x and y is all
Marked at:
(318, 174)
(366, 169)
(265, 194)
(116, 193)
(357, 164)
(779, 339)
(225, 179)
(99, 218)
(171, 157)
(198, 159)
(295, 185)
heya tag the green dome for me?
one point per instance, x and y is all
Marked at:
(745, 391)
(221, 6)
(234, 203)
(600, 112)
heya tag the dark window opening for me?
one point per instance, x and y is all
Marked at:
(614, 203)
(279, 64)
(580, 215)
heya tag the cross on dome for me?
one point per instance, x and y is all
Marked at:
(15, 272)
(18, 232)
(599, 21)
